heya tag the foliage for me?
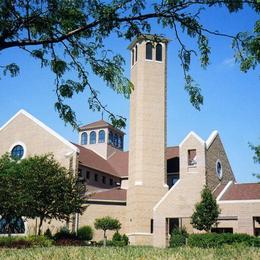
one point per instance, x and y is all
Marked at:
(178, 237)
(64, 233)
(85, 233)
(22, 242)
(120, 240)
(52, 191)
(38, 186)
(206, 212)
(12, 197)
(48, 233)
(107, 223)
(218, 240)
(256, 150)
(70, 36)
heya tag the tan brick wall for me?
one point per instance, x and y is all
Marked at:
(245, 211)
(180, 200)
(147, 164)
(93, 185)
(213, 153)
(36, 139)
(94, 211)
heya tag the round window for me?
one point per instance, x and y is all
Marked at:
(219, 169)
(17, 152)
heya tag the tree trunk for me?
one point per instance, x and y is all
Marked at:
(40, 226)
(105, 238)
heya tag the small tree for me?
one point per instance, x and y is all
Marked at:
(12, 200)
(51, 190)
(206, 212)
(107, 223)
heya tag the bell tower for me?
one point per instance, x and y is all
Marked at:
(147, 143)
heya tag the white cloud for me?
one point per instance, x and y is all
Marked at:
(230, 62)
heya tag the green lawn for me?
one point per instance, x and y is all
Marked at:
(112, 253)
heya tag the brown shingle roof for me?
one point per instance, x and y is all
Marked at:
(244, 191)
(99, 124)
(218, 189)
(117, 164)
(172, 152)
(112, 194)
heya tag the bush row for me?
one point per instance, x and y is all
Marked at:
(23, 242)
(180, 237)
(217, 240)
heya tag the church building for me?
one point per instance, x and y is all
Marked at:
(152, 188)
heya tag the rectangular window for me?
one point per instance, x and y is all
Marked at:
(96, 177)
(192, 157)
(111, 181)
(151, 226)
(104, 179)
(80, 173)
(87, 174)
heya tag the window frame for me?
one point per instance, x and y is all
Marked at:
(148, 52)
(103, 140)
(159, 45)
(92, 133)
(85, 136)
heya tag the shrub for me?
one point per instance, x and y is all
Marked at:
(48, 234)
(218, 240)
(120, 240)
(64, 233)
(85, 233)
(178, 237)
(23, 242)
(41, 241)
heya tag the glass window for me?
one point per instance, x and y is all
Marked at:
(116, 140)
(101, 136)
(219, 169)
(111, 181)
(104, 179)
(17, 152)
(149, 51)
(136, 52)
(88, 175)
(96, 177)
(159, 52)
(84, 138)
(133, 57)
(92, 137)
(111, 137)
(121, 142)
(192, 157)
(16, 224)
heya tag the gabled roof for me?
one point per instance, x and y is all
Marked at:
(243, 191)
(117, 163)
(42, 125)
(99, 124)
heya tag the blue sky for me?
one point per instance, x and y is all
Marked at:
(231, 98)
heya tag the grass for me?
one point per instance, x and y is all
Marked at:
(130, 252)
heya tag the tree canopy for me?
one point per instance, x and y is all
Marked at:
(38, 187)
(206, 211)
(69, 35)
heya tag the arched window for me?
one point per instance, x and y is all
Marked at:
(16, 224)
(116, 140)
(133, 57)
(136, 52)
(159, 52)
(92, 137)
(120, 142)
(17, 152)
(149, 51)
(101, 136)
(84, 138)
(110, 137)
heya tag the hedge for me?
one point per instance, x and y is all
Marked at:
(210, 240)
